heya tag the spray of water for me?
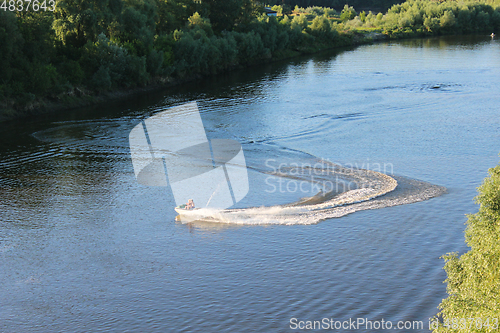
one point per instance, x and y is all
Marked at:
(367, 190)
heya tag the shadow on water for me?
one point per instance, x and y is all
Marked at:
(467, 42)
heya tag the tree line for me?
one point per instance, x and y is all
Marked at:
(93, 46)
(86, 47)
(473, 281)
(424, 18)
(379, 5)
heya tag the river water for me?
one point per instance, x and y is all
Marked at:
(84, 247)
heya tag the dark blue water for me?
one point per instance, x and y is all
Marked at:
(84, 247)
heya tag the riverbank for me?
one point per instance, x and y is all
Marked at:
(44, 68)
(79, 97)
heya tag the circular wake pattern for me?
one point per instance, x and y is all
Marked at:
(366, 189)
(337, 190)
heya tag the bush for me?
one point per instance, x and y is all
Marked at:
(250, 47)
(72, 71)
(155, 62)
(447, 22)
(474, 278)
(348, 13)
(11, 42)
(136, 73)
(300, 21)
(321, 27)
(101, 80)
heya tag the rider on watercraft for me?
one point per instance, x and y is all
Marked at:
(190, 204)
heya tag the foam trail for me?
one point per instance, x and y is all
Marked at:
(340, 190)
(373, 190)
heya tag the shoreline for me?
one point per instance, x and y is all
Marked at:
(78, 98)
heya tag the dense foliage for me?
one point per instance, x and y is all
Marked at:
(380, 5)
(423, 18)
(87, 47)
(474, 278)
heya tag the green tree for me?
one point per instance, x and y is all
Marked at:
(299, 21)
(278, 9)
(227, 14)
(285, 20)
(195, 21)
(38, 35)
(136, 27)
(78, 21)
(431, 24)
(447, 21)
(474, 277)
(348, 13)
(320, 26)
(362, 16)
(11, 43)
(165, 44)
(172, 14)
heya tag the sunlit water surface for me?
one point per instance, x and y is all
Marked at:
(85, 248)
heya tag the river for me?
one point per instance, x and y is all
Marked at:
(84, 247)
